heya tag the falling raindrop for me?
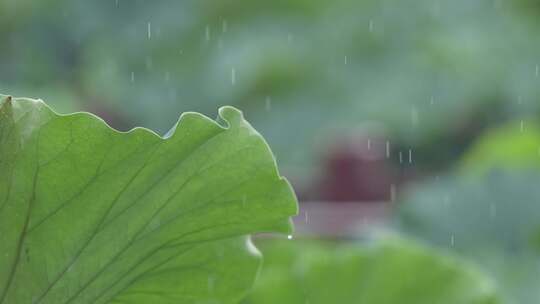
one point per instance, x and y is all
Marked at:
(289, 37)
(387, 149)
(207, 33)
(452, 240)
(233, 76)
(268, 103)
(132, 76)
(369, 144)
(432, 100)
(149, 30)
(345, 60)
(522, 126)
(224, 26)
(370, 26)
(492, 210)
(392, 193)
(410, 156)
(306, 217)
(400, 157)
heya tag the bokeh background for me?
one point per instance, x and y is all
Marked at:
(409, 129)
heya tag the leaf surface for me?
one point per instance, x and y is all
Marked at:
(92, 215)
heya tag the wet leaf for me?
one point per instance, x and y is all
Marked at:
(92, 215)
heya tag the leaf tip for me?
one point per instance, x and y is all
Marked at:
(230, 115)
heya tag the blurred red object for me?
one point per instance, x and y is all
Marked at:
(357, 169)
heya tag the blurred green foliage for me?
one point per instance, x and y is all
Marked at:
(499, 211)
(493, 220)
(512, 146)
(434, 73)
(487, 210)
(386, 271)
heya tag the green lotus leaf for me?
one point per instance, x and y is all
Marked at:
(389, 271)
(92, 215)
